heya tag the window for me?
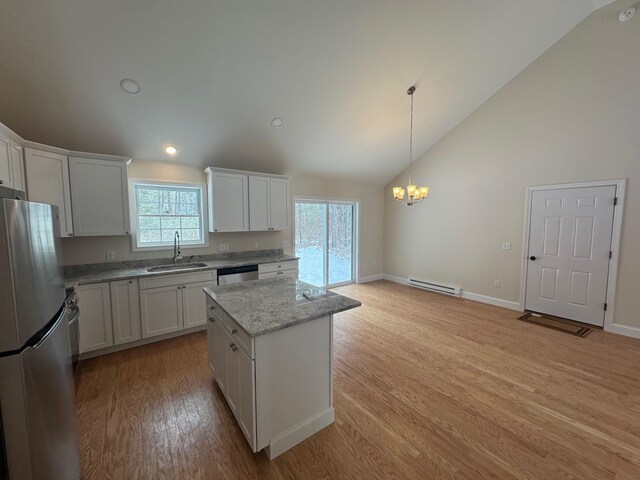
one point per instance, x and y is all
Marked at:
(161, 210)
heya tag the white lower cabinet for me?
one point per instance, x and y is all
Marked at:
(194, 303)
(125, 311)
(244, 369)
(220, 356)
(94, 301)
(161, 310)
(170, 303)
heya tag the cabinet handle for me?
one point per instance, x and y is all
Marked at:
(211, 319)
(71, 234)
(212, 307)
(130, 281)
(232, 345)
(235, 349)
(234, 331)
(126, 233)
(215, 229)
(1, 182)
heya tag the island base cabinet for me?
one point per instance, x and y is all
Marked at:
(294, 386)
(220, 356)
(211, 342)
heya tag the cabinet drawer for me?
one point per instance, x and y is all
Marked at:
(278, 266)
(280, 274)
(239, 336)
(177, 279)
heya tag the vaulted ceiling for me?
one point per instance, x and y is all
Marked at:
(213, 73)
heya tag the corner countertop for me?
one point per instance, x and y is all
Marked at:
(264, 306)
(96, 274)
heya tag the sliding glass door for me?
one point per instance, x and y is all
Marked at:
(325, 240)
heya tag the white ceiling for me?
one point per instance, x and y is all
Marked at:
(215, 72)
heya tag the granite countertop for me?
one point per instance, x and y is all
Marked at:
(263, 306)
(96, 273)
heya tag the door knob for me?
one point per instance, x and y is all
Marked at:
(532, 258)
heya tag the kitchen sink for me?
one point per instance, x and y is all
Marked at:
(183, 266)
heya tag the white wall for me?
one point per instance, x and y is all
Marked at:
(79, 250)
(573, 115)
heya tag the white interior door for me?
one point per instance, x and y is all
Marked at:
(569, 248)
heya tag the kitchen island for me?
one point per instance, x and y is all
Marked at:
(270, 347)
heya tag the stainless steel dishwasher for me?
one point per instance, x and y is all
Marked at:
(237, 274)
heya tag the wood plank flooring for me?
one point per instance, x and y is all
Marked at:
(425, 387)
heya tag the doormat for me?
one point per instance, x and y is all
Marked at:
(555, 323)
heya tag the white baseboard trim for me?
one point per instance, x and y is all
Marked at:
(498, 302)
(370, 278)
(300, 432)
(395, 279)
(137, 343)
(625, 330)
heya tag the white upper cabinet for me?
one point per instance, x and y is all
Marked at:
(17, 167)
(228, 201)
(268, 203)
(48, 182)
(99, 196)
(241, 201)
(279, 203)
(259, 203)
(6, 171)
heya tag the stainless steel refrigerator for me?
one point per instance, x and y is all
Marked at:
(38, 437)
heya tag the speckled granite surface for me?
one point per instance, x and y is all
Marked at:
(263, 306)
(107, 272)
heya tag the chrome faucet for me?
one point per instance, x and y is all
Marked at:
(177, 253)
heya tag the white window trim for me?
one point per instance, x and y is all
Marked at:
(134, 214)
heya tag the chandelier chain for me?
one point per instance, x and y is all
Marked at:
(411, 136)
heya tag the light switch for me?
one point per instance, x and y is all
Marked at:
(111, 256)
(506, 245)
(223, 247)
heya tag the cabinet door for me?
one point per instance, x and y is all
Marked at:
(99, 197)
(161, 310)
(17, 167)
(48, 182)
(259, 203)
(194, 303)
(6, 177)
(95, 317)
(221, 356)
(228, 202)
(279, 204)
(125, 310)
(211, 341)
(246, 413)
(232, 379)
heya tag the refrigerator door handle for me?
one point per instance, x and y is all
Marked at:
(50, 329)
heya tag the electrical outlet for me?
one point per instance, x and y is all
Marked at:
(111, 256)
(255, 245)
(496, 283)
(223, 247)
(506, 245)
(285, 244)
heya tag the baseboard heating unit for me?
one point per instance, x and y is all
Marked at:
(435, 287)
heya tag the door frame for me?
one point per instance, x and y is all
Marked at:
(356, 234)
(620, 185)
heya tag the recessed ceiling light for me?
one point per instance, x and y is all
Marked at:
(130, 86)
(627, 14)
(276, 122)
(170, 149)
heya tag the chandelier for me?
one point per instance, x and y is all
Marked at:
(414, 194)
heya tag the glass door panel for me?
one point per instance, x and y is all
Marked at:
(310, 241)
(340, 243)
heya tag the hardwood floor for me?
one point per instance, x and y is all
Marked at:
(426, 387)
